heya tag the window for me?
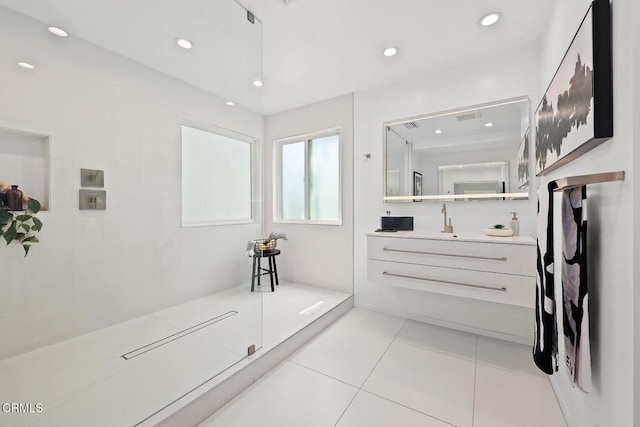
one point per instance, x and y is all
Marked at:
(216, 177)
(307, 187)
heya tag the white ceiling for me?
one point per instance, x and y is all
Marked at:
(313, 49)
(227, 52)
(318, 49)
(467, 127)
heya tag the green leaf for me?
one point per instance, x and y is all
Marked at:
(26, 249)
(11, 233)
(26, 227)
(33, 205)
(32, 239)
(5, 218)
(37, 224)
(23, 218)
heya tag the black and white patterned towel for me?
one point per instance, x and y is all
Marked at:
(545, 348)
(575, 295)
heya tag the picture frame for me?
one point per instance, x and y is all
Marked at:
(417, 185)
(575, 114)
(523, 162)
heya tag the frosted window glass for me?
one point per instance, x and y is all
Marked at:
(216, 178)
(324, 178)
(293, 166)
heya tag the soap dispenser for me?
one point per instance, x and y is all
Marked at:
(515, 224)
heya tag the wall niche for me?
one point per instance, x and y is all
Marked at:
(24, 161)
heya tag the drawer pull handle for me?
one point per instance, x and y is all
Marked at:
(446, 282)
(443, 254)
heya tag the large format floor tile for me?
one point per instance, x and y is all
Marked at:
(349, 349)
(289, 395)
(372, 411)
(429, 376)
(510, 390)
(431, 370)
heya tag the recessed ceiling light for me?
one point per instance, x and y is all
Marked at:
(438, 131)
(257, 83)
(488, 124)
(230, 103)
(184, 43)
(58, 32)
(26, 65)
(490, 19)
(390, 51)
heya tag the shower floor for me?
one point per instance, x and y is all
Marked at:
(126, 373)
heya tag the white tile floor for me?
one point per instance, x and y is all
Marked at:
(370, 369)
(85, 381)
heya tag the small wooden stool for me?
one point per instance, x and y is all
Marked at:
(258, 271)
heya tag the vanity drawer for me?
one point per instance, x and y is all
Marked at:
(480, 256)
(495, 287)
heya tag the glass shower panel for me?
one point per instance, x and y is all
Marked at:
(133, 310)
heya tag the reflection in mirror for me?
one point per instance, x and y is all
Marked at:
(474, 178)
(465, 154)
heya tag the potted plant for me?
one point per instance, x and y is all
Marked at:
(21, 226)
(498, 230)
(270, 242)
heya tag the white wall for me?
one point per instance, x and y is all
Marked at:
(315, 255)
(94, 269)
(507, 76)
(611, 227)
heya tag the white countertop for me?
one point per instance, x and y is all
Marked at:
(463, 237)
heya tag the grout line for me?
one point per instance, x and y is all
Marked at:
(373, 369)
(359, 388)
(321, 373)
(407, 407)
(385, 352)
(376, 365)
(345, 409)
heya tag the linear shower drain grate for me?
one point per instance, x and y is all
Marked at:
(166, 340)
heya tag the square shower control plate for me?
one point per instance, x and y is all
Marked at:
(91, 178)
(93, 200)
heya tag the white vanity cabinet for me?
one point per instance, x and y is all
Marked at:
(492, 278)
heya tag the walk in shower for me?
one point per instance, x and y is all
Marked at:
(126, 306)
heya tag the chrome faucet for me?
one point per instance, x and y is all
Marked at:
(447, 228)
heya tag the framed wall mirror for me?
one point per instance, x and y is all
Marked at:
(479, 152)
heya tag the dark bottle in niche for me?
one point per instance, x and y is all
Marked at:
(14, 198)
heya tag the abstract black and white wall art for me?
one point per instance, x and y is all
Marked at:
(576, 112)
(523, 162)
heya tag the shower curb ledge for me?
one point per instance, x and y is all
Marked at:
(198, 405)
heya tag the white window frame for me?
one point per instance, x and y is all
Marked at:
(254, 155)
(277, 177)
